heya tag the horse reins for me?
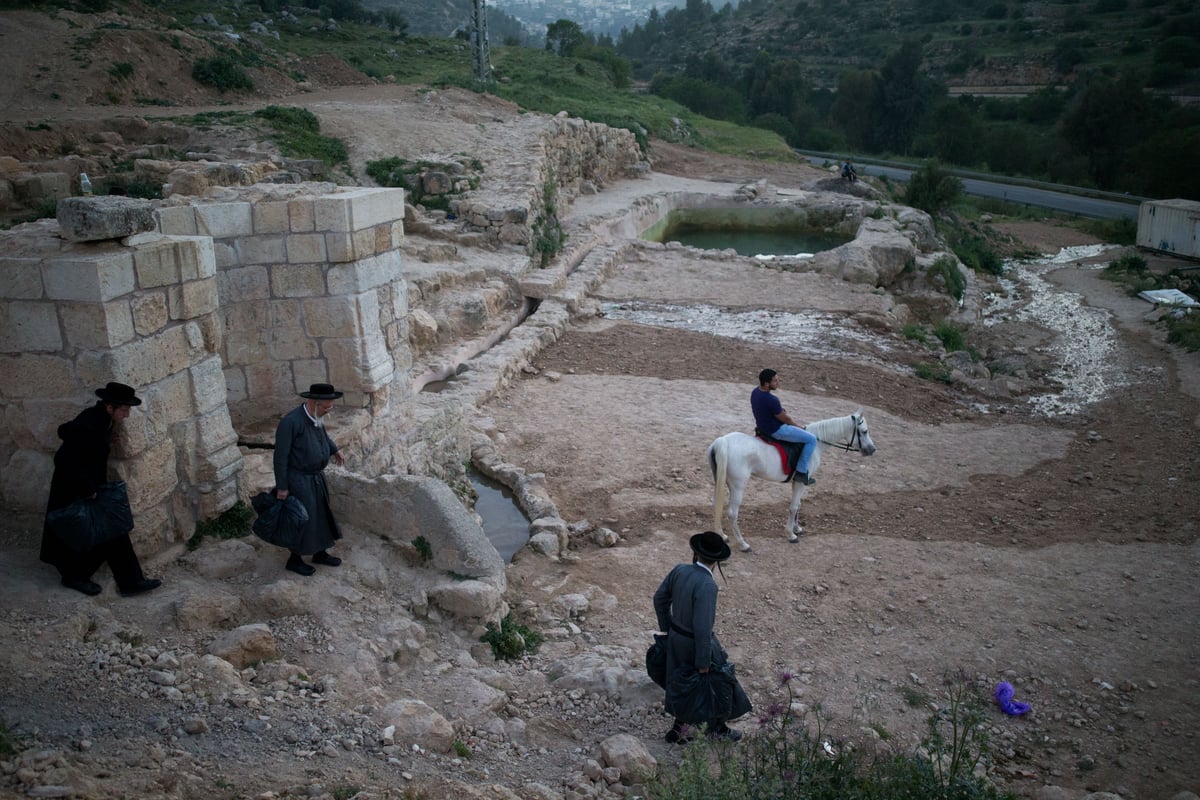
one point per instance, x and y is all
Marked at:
(854, 437)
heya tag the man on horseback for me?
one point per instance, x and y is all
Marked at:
(772, 421)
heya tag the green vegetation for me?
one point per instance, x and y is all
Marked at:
(423, 548)
(8, 742)
(232, 523)
(972, 249)
(121, 71)
(548, 236)
(792, 758)
(1113, 231)
(933, 371)
(1107, 120)
(1183, 325)
(297, 131)
(951, 336)
(511, 639)
(345, 792)
(952, 278)
(222, 73)
(461, 749)
(932, 189)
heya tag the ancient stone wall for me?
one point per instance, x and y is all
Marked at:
(311, 291)
(237, 302)
(576, 155)
(74, 316)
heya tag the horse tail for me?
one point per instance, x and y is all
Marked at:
(718, 459)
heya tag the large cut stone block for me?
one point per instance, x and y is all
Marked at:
(358, 209)
(271, 216)
(192, 299)
(297, 280)
(306, 248)
(197, 257)
(20, 278)
(156, 265)
(97, 278)
(94, 219)
(177, 221)
(208, 384)
(37, 377)
(90, 326)
(362, 363)
(261, 249)
(244, 284)
(365, 274)
(342, 317)
(223, 220)
(29, 327)
(149, 312)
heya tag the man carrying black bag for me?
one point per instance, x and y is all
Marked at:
(80, 471)
(701, 687)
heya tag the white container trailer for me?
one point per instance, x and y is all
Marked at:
(1170, 226)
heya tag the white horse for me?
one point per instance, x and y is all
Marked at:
(735, 457)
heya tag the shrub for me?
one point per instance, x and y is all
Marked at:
(121, 71)
(548, 236)
(974, 251)
(389, 172)
(233, 523)
(423, 548)
(298, 134)
(932, 189)
(947, 268)
(933, 371)
(789, 758)
(511, 639)
(1185, 331)
(915, 332)
(951, 336)
(223, 74)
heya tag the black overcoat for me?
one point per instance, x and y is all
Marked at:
(80, 466)
(302, 451)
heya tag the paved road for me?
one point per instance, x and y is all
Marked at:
(1067, 201)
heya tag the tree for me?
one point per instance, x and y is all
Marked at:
(905, 96)
(563, 36)
(1107, 118)
(856, 107)
(932, 189)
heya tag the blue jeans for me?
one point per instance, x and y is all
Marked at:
(790, 433)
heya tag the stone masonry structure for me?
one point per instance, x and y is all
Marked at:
(236, 302)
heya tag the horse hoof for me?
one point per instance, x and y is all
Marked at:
(745, 548)
(793, 538)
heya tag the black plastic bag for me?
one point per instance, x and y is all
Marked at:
(280, 522)
(656, 660)
(713, 696)
(86, 524)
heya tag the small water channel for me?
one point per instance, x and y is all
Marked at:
(503, 522)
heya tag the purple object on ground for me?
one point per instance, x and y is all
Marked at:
(1004, 696)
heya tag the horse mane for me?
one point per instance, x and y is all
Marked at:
(834, 430)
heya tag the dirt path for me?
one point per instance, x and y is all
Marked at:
(1053, 552)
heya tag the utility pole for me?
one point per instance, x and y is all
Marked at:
(481, 55)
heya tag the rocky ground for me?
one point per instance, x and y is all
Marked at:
(986, 538)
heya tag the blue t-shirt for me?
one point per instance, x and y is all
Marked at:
(765, 406)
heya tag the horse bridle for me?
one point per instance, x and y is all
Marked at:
(855, 438)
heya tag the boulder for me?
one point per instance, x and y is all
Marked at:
(96, 219)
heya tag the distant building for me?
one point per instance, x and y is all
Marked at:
(1170, 226)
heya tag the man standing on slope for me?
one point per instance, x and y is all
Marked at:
(772, 421)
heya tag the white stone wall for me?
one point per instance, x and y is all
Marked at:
(76, 316)
(310, 291)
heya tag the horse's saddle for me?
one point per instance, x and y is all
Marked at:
(789, 453)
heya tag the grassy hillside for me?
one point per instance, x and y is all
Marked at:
(992, 43)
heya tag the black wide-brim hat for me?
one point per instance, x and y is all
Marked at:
(710, 546)
(321, 391)
(118, 394)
